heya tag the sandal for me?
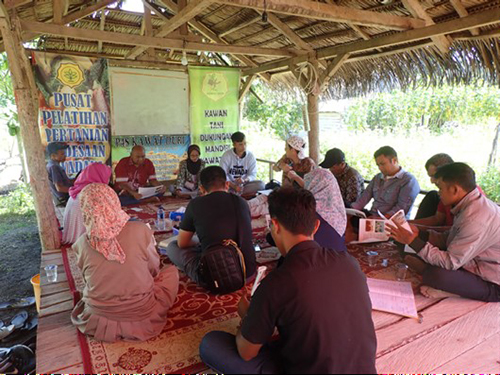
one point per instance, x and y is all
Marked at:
(20, 319)
(6, 331)
(31, 324)
(18, 360)
(18, 304)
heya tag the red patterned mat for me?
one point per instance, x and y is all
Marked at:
(194, 313)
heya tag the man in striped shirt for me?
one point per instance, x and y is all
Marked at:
(134, 172)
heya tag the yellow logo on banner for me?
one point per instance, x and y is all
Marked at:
(215, 86)
(70, 75)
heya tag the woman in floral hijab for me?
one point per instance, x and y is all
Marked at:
(126, 295)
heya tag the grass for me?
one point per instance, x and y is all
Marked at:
(17, 210)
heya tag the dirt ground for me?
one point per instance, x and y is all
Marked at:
(20, 251)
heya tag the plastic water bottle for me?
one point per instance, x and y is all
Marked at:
(160, 219)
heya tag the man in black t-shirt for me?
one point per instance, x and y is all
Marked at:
(213, 217)
(317, 299)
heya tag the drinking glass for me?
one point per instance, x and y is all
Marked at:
(51, 272)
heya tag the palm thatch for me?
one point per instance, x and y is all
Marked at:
(473, 56)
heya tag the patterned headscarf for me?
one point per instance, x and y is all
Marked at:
(103, 219)
(94, 173)
(329, 203)
(297, 143)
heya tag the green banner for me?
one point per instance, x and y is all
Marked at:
(214, 109)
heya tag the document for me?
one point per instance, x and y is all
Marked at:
(394, 297)
(261, 273)
(375, 230)
(149, 192)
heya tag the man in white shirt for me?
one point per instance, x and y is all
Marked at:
(240, 166)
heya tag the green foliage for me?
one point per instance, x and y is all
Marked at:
(8, 110)
(18, 202)
(490, 183)
(437, 109)
(280, 113)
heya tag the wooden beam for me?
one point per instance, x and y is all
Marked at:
(204, 30)
(102, 24)
(27, 109)
(328, 12)
(241, 26)
(313, 136)
(146, 41)
(184, 27)
(331, 69)
(462, 12)
(72, 17)
(489, 17)
(11, 4)
(417, 10)
(183, 16)
(58, 7)
(148, 30)
(245, 87)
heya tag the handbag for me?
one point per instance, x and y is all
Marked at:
(222, 266)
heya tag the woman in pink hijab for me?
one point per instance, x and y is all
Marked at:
(73, 222)
(126, 295)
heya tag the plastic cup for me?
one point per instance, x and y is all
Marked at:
(51, 272)
(401, 270)
(372, 258)
(35, 281)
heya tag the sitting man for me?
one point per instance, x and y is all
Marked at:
(133, 172)
(214, 217)
(58, 179)
(392, 190)
(465, 260)
(241, 167)
(432, 212)
(351, 183)
(317, 299)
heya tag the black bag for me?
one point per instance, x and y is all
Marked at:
(222, 266)
(273, 184)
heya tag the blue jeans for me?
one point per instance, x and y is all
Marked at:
(218, 351)
(461, 282)
(128, 200)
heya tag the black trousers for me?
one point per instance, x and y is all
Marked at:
(462, 283)
(429, 205)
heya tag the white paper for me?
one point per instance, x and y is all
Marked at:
(409, 250)
(392, 296)
(265, 192)
(261, 272)
(149, 192)
(372, 230)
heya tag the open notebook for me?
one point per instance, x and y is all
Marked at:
(393, 297)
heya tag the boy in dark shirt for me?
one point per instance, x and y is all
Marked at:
(318, 299)
(213, 217)
(58, 179)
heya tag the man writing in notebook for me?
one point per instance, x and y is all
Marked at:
(465, 260)
(135, 172)
(317, 299)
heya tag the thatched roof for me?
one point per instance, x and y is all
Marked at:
(472, 55)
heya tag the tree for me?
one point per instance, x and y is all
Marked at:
(279, 112)
(8, 110)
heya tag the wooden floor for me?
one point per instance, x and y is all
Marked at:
(454, 335)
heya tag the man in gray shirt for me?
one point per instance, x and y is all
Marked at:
(465, 260)
(392, 190)
(58, 179)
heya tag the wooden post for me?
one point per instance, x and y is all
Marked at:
(26, 100)
(493, 155)
(312, 110)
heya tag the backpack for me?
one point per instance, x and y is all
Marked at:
(222, 266)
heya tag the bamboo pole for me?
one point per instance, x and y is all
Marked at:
(26, 101)
(312, 110)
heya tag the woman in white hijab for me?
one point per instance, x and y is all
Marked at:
(294, 163)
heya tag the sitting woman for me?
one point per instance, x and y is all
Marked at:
(73, 227)
(189, 174)
(294, 163)
(329, 206)
(127, 295)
